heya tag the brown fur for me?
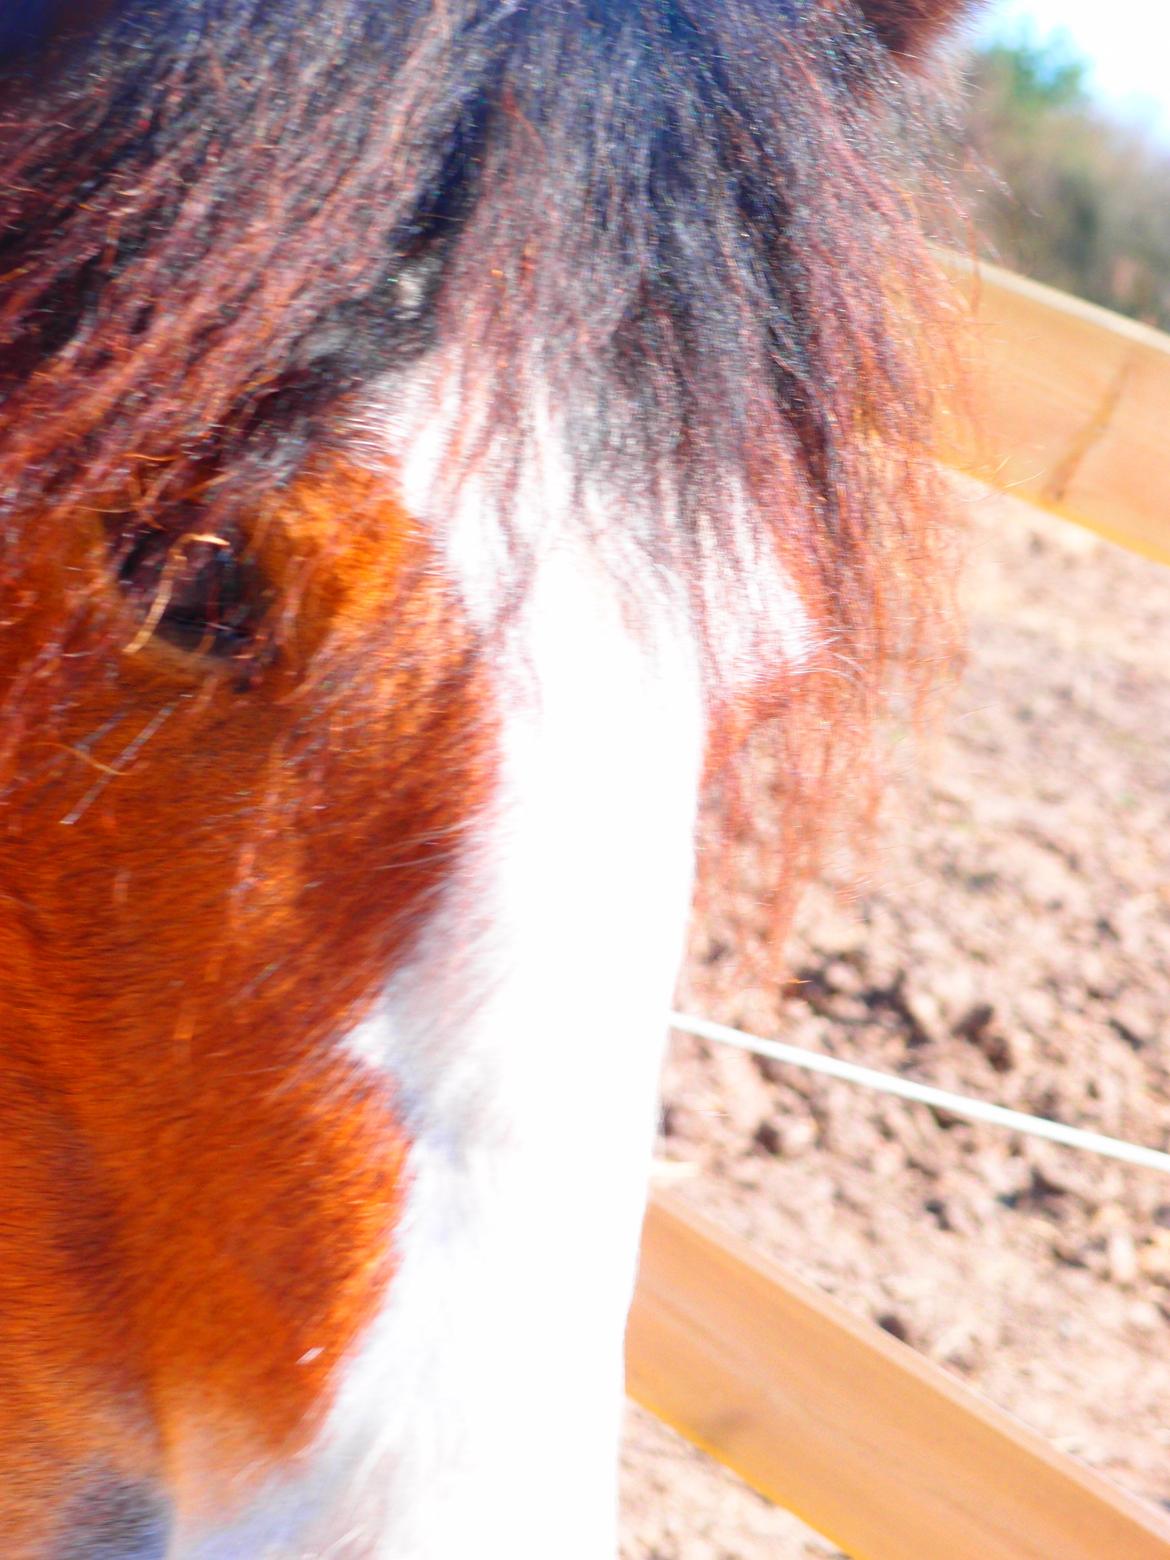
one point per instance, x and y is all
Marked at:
(910, 27)
(198, 1190)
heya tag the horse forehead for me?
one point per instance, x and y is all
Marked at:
(587, 832)
(586, 546)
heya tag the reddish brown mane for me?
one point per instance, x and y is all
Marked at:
(696, 231)
(908, 27)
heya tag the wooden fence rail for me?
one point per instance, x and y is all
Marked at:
(868, 1442)
(1069, 409)
(865, 1440)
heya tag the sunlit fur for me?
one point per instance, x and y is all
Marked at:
(335, 338)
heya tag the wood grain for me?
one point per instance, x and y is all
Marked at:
(862, 1438)
(1068, 406)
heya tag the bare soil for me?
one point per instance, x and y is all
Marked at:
(1011, 939)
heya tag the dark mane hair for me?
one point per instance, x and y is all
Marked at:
(687, 227)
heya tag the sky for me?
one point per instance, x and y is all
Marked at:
(1127, 44)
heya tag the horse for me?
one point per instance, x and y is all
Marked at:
(436, 434)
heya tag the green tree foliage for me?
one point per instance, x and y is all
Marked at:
(1062, 190)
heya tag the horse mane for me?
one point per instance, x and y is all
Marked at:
(907, 27)
(683, 233)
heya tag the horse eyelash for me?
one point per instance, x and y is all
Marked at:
(201, 593)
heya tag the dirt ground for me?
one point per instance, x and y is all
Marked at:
(1011, 939)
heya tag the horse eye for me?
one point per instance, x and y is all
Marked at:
(200, 593)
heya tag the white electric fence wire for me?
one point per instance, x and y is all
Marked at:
(925, 1094)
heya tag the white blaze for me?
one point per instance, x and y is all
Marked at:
(481, 1413)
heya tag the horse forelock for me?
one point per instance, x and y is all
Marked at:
(683, 230)
(682, 233)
